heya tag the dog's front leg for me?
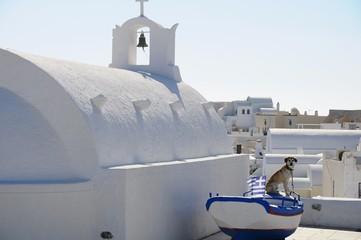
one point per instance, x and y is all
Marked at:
(285, 186)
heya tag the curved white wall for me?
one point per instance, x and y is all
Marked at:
(44, 136)
(62, 91)
(125, 134)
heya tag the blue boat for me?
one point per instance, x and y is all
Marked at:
(255, 217)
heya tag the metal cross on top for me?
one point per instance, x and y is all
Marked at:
(141, 6)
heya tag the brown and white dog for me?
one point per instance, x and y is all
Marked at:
(283, 175)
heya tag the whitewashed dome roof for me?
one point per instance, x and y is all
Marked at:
(80, 116)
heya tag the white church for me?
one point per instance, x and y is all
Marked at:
(129, 152)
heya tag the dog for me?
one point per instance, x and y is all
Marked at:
(283, 175)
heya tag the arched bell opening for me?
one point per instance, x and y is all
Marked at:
(143, 46)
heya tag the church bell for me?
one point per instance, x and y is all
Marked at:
(142, 42)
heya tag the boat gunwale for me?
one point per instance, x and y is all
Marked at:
(279, 210)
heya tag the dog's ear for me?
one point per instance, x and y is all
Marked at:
(295, 159)
(286, 159)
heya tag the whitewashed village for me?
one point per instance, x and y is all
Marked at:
(131, 152)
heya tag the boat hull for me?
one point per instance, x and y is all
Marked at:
(256, 217)
(257, 234)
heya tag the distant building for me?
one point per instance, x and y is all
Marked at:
(292, 119)
(348, 119)
(239, 116)
(254, 116)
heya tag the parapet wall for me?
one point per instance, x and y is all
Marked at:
(47, 211)
(159, 201)
(167, 200)
(332, 213)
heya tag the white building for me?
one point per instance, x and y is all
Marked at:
(239, 116)
(87, 149)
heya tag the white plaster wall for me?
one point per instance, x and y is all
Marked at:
(333, 178)
(230, 121)
(167, 200)
(332, 212)
(47, 211)
(352, 162)
(342, 178)
(245, 120)
(314, 172)
(312, 141)
(110, 199)
(44, 136)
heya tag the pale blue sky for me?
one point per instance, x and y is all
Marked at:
(301, 53)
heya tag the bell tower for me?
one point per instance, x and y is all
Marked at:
(157, 42)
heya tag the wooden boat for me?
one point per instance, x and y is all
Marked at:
(256, 217)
